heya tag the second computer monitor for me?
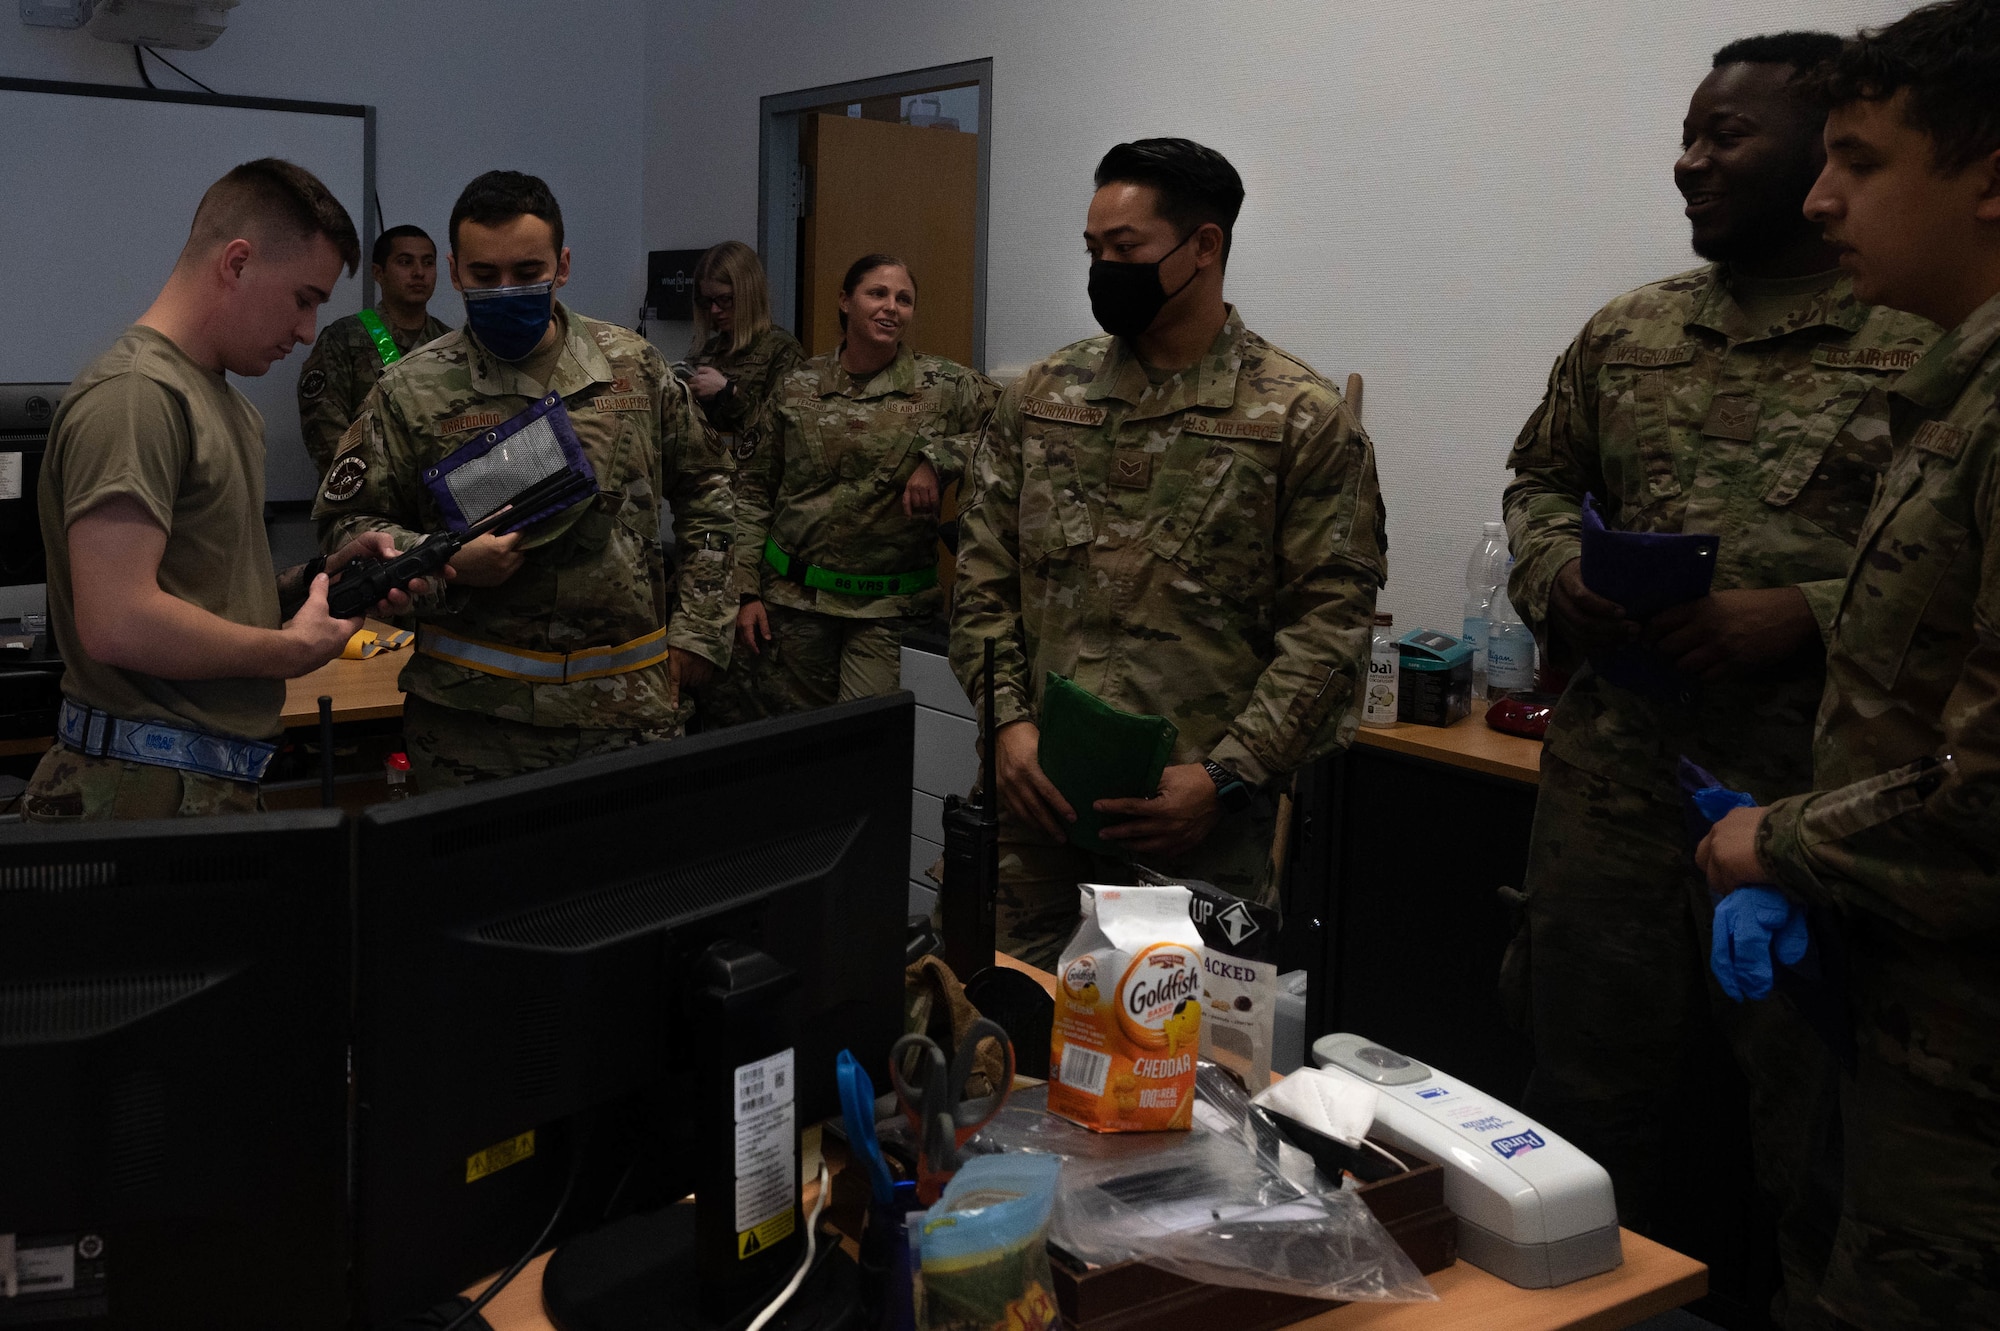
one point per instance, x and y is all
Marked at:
(522, 948)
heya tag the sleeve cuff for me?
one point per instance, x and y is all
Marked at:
(1232, 754)
(1823, 599)
(1781, 848)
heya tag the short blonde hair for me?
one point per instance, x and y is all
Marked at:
(737, 264)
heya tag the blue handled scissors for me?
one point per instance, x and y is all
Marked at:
(940, 1116)
(857, 1109)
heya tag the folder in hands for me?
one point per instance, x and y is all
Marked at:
(1091, 751)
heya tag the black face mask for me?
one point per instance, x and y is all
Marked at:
(1125, 298)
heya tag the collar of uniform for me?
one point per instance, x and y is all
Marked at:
(1714, 308)
(1936, 382)
(581, 365)
(1213, 376)
(898, 376)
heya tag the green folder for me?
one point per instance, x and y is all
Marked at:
(1093, 751)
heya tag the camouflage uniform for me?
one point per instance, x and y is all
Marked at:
(1679, 415)
(755, 375)
(822, 474)
(1207, 549)
(337, 376)
(70, 786)
(1902, 835)
(595, 575)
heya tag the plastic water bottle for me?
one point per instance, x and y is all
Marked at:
(1510, 648)
(1485, 573)
(1385, 674)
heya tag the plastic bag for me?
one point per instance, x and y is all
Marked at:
(984, 1249)
(1228, 1203)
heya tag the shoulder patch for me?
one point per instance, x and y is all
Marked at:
(350, 438)
(1229, 427)
(344, 478)
(1619, 354)
(471, 420)
(1865, 358)
(1065, 413)
(312, 383)
(1945, 441)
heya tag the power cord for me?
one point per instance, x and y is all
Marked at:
(772, 1309)
(520, 1263)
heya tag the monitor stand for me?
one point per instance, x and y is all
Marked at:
(640, 1274)
(646, 1272)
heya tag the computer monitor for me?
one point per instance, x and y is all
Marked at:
(173, 1075)
(25, 413)
(524, 951)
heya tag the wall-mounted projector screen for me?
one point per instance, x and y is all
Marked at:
(101, 184)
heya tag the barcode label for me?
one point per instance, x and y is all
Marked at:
(1084, 1069)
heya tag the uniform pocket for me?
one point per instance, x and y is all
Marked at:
(1894, 579)
(1220, 530)
(1054, 515)
(1828, 475)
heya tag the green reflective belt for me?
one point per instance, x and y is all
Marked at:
(385, 346)
(848, 584)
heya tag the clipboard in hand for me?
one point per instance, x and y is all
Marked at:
(1645, 572)
(1091, 751)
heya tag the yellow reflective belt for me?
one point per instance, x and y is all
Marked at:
(492, 658)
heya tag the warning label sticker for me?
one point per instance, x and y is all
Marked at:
(767, 1168)
(753, 1241)
(496, 1158)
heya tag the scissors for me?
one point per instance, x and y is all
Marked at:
(939, 1115)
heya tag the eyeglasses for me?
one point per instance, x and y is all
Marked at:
(719, 302)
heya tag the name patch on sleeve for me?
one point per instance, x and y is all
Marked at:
(1064, 413)
(1866, 358)
(1227, 427)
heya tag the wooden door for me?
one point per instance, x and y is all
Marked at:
(879, 187)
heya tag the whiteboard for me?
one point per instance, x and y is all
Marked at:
(101, 187)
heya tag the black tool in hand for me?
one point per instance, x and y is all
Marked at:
(360, 586)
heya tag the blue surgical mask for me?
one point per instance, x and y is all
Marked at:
(510, 321)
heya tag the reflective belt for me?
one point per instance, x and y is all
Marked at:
(851, 584)
(385, 345)
(492, 658)
(98, 734)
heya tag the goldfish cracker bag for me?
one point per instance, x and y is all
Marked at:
(1128, 1012)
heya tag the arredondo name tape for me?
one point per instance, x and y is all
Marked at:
(496, 1158)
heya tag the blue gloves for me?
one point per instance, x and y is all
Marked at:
(1752, 924)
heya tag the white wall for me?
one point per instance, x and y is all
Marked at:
(1439, 194)
(460, 87)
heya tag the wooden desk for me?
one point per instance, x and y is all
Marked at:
(361, 690)
(1652, 1280)
(1469, 744)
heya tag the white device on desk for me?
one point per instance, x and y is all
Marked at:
(1531, 1208)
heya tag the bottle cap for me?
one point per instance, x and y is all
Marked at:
(1384, 620)
(398, 762)
(1495, 529)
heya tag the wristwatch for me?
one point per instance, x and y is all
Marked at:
(1230, 791)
